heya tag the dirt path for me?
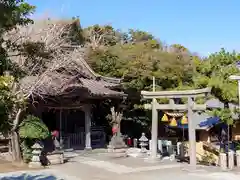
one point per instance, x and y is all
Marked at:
(6, 166)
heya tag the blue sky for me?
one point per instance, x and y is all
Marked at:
(202, 26)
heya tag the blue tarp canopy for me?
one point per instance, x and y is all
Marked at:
(210, 122)
(200, 123)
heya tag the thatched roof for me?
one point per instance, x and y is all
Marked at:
(65, 70)
(54, 84)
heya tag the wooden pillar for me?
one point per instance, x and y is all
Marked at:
(191, 134)
(154, 129)
(60, 126)
(87, 111)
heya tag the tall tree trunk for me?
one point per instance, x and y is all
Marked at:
(16, 152)
(15, 140)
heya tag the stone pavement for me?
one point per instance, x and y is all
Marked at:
(101, 167)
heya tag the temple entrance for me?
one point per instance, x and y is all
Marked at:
(75, 127)
(69, 123)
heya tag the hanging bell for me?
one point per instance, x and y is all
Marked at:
(173, 122)
(165, 118)
(184, 120)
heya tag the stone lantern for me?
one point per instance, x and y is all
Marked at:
(36, 153)
(143, 143)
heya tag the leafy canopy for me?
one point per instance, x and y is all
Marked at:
(13, 13)
(141, 57)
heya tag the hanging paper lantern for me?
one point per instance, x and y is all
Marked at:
(165, 118)
(173, 122)
(184, 120)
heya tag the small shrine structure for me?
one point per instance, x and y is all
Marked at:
(171, 106)
(65, 90)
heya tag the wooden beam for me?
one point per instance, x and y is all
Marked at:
(175, 94)
(180, 107)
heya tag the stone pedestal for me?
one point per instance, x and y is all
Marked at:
(238, 158)
(55, 158)
(88, 148)
(117, 153)
(223, 161)
(231, 160)
(117, 147)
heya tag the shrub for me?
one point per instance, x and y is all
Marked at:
(31, 129)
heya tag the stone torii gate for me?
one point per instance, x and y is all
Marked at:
(189, 107)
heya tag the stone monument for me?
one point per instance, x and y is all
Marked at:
(117, 145)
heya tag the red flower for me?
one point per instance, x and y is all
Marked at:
(55, 133)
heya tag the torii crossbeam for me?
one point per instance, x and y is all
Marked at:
(189, 107)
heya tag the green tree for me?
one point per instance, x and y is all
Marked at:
(13, 13)
(214, 72)
(6, 103)
(136, 61)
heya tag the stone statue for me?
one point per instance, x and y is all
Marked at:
(116, 140)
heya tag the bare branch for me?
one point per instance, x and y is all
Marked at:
(48, 59)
